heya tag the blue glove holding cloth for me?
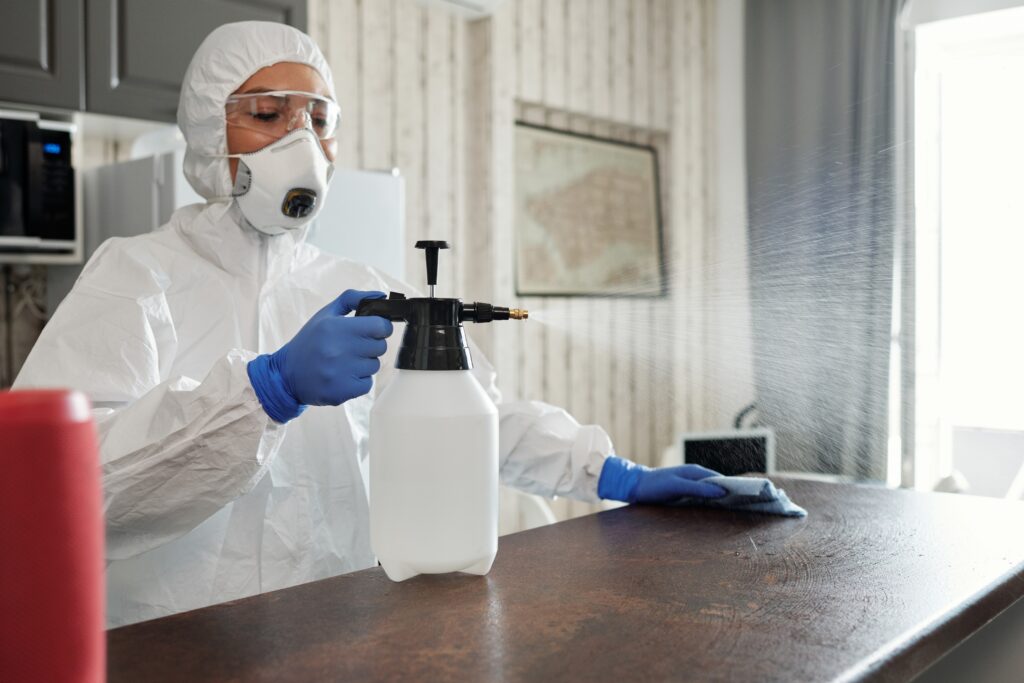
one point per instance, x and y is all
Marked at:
(691, 485)
(330, 360)
(628, 482)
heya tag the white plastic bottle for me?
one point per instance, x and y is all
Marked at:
(434, 441)
(434, 475)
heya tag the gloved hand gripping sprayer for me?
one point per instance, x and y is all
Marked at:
(434, 440)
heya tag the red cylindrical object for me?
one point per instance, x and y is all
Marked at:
(51, 539)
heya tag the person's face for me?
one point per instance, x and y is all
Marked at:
(280, 76)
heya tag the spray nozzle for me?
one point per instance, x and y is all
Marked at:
(478, 312)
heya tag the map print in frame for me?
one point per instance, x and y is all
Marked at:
(586, 215)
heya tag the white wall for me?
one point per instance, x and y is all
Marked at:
(399, 73)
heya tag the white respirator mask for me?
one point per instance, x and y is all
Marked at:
(283, 186)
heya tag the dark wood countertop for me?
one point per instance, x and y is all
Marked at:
(874, 585)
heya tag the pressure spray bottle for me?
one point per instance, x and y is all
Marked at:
(434, 440)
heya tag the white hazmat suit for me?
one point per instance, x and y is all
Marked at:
(206, 498)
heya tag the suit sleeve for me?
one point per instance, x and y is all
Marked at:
(173, 450)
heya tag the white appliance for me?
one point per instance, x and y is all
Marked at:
(363, 219)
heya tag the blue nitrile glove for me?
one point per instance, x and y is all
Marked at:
(628, 482)
(330, 360)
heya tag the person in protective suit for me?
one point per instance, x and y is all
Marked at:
(231, 390)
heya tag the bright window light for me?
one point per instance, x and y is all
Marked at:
(969, 202)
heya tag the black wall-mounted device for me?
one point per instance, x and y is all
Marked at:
(37, 189)
(732, 452)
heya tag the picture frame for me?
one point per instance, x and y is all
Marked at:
(588, 218)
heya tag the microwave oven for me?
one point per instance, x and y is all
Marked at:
(37, 189)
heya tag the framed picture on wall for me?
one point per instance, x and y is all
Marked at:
(587, 216)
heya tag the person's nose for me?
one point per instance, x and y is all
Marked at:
(300, 119)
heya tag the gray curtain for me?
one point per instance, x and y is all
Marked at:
(820, 131)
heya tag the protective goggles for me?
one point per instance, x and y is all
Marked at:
(277, 113)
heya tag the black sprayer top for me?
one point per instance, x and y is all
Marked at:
(434, 338)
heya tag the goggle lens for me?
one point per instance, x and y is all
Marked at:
(277, 113)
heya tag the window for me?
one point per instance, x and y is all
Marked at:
(969, 249)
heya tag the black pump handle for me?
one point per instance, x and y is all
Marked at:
(431, 246)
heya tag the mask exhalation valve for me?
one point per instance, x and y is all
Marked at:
(298, 203)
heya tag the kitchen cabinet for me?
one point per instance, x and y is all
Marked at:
(41, 53)
(138, 50)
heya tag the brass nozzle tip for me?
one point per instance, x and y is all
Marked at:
(518, 314)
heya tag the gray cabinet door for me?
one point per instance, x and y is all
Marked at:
(138, 50)
(41, 52)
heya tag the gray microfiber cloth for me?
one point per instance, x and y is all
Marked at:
(748, 494)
